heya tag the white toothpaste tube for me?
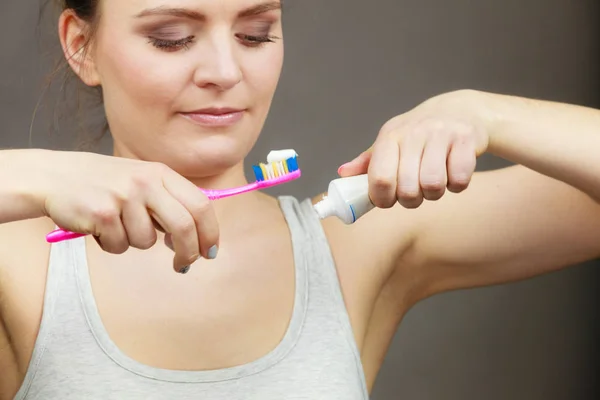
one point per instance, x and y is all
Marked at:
(347, 198)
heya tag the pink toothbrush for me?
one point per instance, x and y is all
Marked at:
(281, 167)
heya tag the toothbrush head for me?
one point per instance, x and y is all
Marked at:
(281, 165)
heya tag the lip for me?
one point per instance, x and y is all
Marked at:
(215, 116)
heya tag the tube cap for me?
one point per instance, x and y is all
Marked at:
(325, 208)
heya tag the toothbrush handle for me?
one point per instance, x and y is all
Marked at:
(222, 193)
(61, 235)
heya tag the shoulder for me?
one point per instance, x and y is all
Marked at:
(375, 240)
(370, 251)
(366, 253)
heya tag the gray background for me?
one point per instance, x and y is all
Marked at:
(350, 66)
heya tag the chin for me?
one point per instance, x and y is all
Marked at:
(206, 158)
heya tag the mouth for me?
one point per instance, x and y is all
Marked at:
(215, 116)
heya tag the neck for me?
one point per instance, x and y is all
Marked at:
(232, 177)
(234, 208)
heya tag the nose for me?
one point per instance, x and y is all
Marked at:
(220, 68)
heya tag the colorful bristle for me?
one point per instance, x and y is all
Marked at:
(275, 169)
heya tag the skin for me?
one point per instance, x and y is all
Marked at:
(433, 218)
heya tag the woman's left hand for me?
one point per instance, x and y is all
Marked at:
(420, 154)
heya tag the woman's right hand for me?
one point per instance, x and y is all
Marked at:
(123, 202)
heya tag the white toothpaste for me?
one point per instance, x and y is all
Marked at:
(281, 155)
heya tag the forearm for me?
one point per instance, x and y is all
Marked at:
(558, 140)
(17, 175)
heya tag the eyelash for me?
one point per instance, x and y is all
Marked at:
(256, 41)
(174, 45)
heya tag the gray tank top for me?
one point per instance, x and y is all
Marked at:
(74, 357)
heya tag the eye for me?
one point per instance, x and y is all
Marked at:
(171, 44)
(255, 40)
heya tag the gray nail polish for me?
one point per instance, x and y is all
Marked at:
(212, 252)
(184, 270)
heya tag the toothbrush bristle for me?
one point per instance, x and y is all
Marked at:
(275, 169)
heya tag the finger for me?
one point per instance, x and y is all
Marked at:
(383, 171)
(139, 226)
(169, 241)
(360, 165)
(462, 161)
(433, 176)
(176, 220)
(157, 225)
(202, 212)
(408, 192)
(109, 231)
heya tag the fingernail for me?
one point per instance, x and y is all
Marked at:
(185, 270)
(339, 171)
(409, 190)
(212, 252)
(462, 178)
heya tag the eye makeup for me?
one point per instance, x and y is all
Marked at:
(172, 33)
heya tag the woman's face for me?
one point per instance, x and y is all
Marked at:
(188, 82)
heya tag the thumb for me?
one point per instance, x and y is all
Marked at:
(360, 165)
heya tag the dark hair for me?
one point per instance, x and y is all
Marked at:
(73, 93)
(85, 9)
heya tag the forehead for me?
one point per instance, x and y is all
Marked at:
(207, 9)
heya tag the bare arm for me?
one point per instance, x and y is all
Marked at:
(17, 173)
(519, 222)
(558, 140)
(497, 226)
(511, 224)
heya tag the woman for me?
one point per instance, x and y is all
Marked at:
(279, 305)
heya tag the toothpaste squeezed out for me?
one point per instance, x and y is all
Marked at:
(281, 155)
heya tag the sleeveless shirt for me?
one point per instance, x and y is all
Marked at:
(74, 357)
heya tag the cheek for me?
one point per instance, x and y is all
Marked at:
(262, 73)
(136, 79)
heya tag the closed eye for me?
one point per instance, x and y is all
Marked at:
(170, 44)
(255, 40)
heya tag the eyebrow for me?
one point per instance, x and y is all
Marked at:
(190, 14)
(260, 9)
